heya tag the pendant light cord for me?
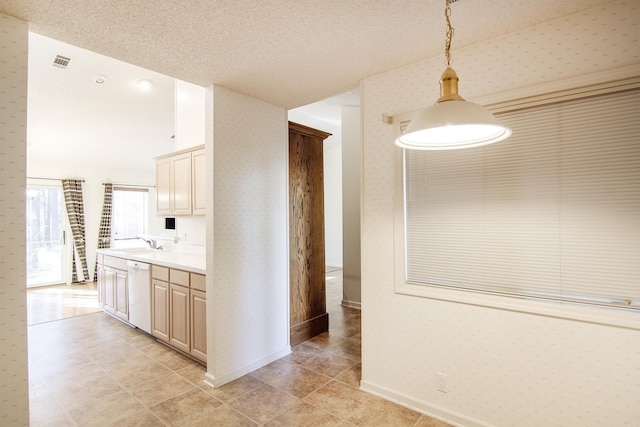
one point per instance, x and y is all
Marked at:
(449, 36)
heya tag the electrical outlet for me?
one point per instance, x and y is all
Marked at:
(442, 383)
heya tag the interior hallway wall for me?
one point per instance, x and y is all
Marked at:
(14, 384)
(247, 234)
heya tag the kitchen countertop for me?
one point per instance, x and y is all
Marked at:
(193, 262)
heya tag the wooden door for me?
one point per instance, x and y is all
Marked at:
(308, 316)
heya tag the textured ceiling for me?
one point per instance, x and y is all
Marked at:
(286, 52)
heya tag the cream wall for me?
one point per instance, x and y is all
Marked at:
(14, 393)
(247, 234)
(504, 368)
(332, 168)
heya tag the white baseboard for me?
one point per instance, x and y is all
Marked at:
(218, 380)
(423, 407)
(351, 304)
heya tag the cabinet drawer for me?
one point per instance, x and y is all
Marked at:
(117, 263)
(160, 273)
(198, 282)
(179, 277)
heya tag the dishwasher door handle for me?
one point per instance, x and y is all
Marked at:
(137, 265)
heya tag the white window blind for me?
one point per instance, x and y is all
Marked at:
(552, 212)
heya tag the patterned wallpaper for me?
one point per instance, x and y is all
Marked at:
(14, 393)
(503, 368)
(250, 244)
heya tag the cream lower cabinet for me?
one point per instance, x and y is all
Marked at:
(160, 309)
(178, 311)
(113, 286)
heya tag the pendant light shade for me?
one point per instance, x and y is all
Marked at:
(451, 123)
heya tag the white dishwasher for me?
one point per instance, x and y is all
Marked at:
(139, 283)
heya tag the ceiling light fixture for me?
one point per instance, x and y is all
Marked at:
(145, 84)
(100, 79)
(451, 122)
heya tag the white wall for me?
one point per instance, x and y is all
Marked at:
(14, 393)
(504, 368)
(332, 168)
(351, 194)
(247, 234)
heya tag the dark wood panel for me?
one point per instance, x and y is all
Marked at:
(306, 231)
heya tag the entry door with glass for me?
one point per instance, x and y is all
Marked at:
(45, 227)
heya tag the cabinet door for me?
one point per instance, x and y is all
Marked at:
(160, 310)
(164, 198)
(182, 184)
(199, 182)
(122, 297)
(109, 290)
(100, 281)
(199, 324)
(179, 324)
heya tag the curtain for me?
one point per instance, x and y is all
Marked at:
(72, 189)
(104, 232)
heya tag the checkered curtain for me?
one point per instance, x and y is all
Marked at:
(104, 233)
(72, 189)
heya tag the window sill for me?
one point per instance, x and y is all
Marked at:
(588, 314)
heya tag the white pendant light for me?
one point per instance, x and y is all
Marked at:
(451, 123)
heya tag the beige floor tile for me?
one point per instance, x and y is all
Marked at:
(350, 348)
(338, 399)
(426, 421)
(235, 389)
(379, 412)
(303, 414)
(299, 381)
(273, 371)
(352, 376)
(224, 416)
(329, 364)
(143, 418)
(193, 373)
(302, 352)
(163, 354)
(325, 340)
(106, 410)
(263, 404)
(160, 389)
(187, 406)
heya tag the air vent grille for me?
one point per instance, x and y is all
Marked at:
(61, 61)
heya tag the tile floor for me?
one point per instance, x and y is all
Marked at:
(93, 370)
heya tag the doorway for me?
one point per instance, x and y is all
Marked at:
(46, 235)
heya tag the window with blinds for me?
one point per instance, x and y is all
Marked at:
(551, 213)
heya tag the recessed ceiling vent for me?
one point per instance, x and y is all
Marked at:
(61, 61)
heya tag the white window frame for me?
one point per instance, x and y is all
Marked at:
(145, 214)
(599, 83)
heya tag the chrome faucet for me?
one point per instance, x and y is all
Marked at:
(153, 244)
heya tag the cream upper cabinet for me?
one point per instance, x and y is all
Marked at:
(180, 183)
(164, 202)
(199, 182)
